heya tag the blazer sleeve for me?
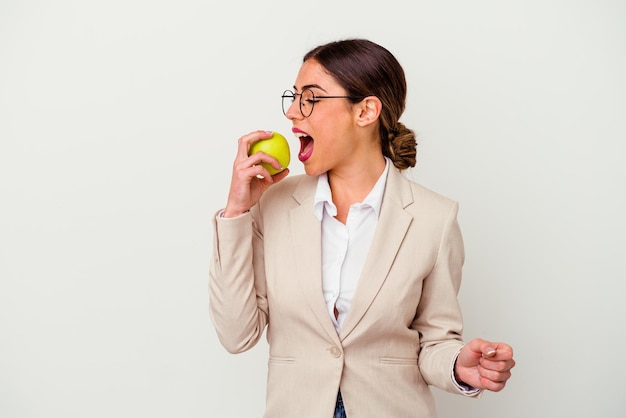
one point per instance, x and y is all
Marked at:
(237, 292)
(439, 320)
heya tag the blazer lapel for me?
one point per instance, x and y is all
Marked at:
(308, 253)
(393, 224)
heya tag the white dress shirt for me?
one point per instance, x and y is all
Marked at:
(345, 247)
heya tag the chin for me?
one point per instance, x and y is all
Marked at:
(311, 170)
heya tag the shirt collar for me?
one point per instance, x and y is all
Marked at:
(324, 200)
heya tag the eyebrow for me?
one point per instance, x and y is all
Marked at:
(310, 86)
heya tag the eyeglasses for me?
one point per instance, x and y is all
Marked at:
(307, 100)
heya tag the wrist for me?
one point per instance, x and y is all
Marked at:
(232, 214)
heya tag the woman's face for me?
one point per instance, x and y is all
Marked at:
(327, 136)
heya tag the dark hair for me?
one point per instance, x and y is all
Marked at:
(364, 68)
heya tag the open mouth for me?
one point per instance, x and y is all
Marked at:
(306, 146)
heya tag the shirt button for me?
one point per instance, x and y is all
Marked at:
(335, 352)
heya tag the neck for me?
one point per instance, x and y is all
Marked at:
(350, 185)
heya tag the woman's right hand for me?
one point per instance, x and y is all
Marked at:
(250, 179)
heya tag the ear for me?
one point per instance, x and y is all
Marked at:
(368, 111)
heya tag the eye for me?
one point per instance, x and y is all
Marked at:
(309, 97)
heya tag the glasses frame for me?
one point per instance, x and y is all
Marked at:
(292, 95)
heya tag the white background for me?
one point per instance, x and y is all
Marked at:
(118, 127)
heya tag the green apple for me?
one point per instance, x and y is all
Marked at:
(276, 146)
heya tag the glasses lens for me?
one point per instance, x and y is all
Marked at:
(288, 98)
(307, 100)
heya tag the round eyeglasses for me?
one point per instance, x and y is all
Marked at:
(306, 100)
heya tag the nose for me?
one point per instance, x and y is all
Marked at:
(293, 112)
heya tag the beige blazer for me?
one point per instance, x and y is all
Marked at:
(404, 325)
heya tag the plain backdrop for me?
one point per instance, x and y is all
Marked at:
(118, 128)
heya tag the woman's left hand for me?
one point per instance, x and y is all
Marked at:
(484, 365)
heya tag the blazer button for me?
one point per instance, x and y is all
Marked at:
(335, 352)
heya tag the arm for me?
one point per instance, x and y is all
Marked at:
(438, 320)
(476, 365)
(237, 294)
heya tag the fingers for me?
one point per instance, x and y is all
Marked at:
(493, 385)
(246, 140)
(244, 162)
(279, 176)
(489, 362)
(490, 350)
(250, 177)
(497, 358)
(495, 374)
(482, 347)
(251, 169)
(496, 370)
(495, 367)
(500, 352)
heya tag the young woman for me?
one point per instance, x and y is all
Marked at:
(353, 268)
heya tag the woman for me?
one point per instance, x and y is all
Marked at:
(353, 268)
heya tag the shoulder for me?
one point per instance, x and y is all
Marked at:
(426, 195)
(291, 191)
(415, 196)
